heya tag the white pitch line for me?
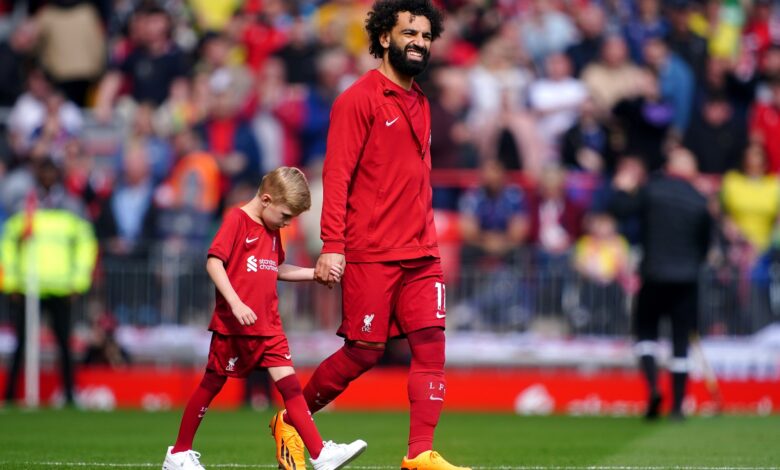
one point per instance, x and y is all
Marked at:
(387, 467)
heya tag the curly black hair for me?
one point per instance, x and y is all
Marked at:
(384, 14)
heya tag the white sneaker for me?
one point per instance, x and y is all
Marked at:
(335, 456)
(187, 460)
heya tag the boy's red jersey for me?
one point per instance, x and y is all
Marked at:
(251, 255)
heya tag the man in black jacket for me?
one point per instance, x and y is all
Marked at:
(676, 229)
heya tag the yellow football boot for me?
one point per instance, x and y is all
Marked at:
(429, 460)
(289, 446)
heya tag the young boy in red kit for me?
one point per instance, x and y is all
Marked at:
(244, 262)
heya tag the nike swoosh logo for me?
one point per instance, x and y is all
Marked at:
(288, 356)
(390, 123)
(439, 315)
(436, 398)
(250, 240)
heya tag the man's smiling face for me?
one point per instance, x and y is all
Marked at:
(409, 44)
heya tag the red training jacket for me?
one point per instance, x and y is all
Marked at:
(377, 176)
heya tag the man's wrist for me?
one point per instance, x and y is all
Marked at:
(333, 246)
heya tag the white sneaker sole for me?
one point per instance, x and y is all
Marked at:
(360, 447)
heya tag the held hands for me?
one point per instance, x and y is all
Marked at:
(334, 275)
(243, 314)
(329, 268)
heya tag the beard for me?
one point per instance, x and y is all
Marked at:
(404, 65)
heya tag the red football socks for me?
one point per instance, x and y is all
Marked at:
(196, 409)
(336, 372)
(426, 388)
(298, 414)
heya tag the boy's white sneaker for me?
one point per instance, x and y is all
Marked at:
(335, 456)
(187, 460)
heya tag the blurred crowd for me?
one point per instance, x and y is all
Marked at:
(158, 115)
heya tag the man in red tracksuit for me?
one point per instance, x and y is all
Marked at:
(377, 222)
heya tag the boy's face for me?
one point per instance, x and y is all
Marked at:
(275, 216)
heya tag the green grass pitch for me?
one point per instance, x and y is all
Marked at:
(69, 439)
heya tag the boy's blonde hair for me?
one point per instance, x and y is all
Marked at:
(287, 185)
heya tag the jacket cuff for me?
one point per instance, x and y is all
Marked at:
(333, 246)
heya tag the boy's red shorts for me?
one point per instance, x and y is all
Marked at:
(385, 300)
(237, 356)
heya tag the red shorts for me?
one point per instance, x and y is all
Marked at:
(237, 356)
(385, 300)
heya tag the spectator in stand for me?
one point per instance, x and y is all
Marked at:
(341, 24)
(613, 77)
(494, 231)
(279, 115)
(127, 227)
(259, 28)
(186, 106)
(751, 203)
(299, 54)
(555, 224)
(63, 263)
(72, 45)
(452, 143)
(676, 236)
(682, 41)
(213, 16)
(497, 80)
(759, 33)
(451, 139)
(333, 76)
(493, 220)
(545, 30)
(630, 171)
(6, 161)
(644, 121)
(602, 259)
(127, 222)
(592, 27)
(142, 131)
(30, 111)
(497, 118)
(15, 54)
(765, 126)
(647, 23)
(768, 69)
(51, 138)
(585, 146)
(82, 179)
(556, 220)
(103, 349)
(228, 136)
(215, 56)
(190, 197)
(151, 67)
(675, 79)
(721, 24)
(555, 99)
(716, 137)
(728, 78)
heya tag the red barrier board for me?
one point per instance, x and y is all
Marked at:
(525, 391)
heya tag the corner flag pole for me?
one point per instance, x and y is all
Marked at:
(32, 309)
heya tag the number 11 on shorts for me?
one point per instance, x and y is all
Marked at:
(441, 296)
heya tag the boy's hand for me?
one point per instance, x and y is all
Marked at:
(244, 314)
(334, 275)
(325, 262)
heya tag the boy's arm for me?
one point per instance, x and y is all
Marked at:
(289, 272)
(218, 275)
